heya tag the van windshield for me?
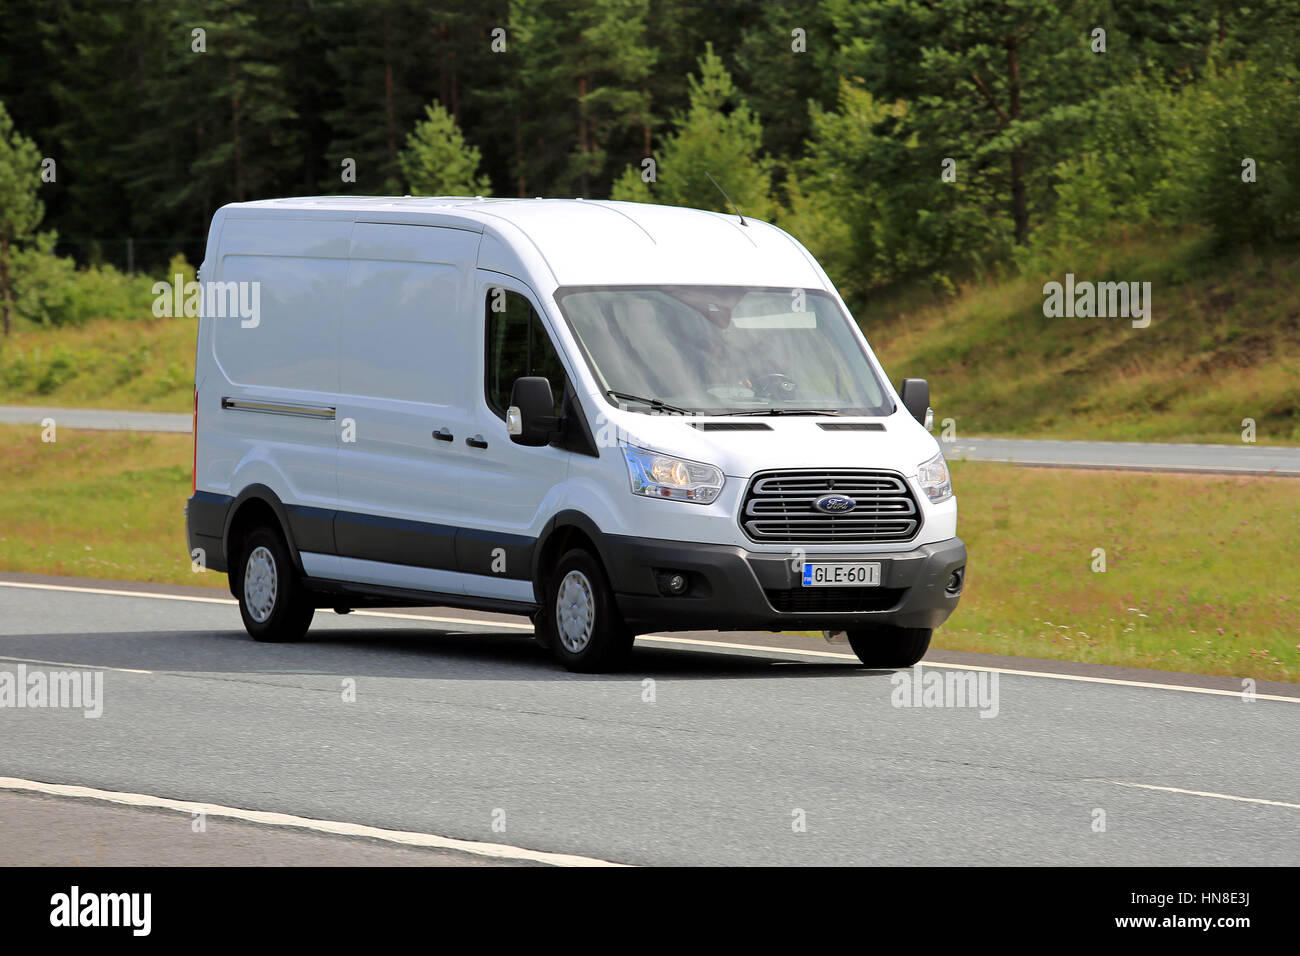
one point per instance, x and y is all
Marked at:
(723, 350)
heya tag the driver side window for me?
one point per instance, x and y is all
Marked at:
(517, 345)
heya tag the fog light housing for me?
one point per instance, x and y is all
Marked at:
(955, 581)
(673, 583)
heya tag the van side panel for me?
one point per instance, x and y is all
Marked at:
(404, 373)
(268, 409)
(405, 319)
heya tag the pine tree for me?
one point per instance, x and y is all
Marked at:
(107, 80)
(438, 162)
(784, 61)
(383, 76)
(20, 208)
(575, 93)
(994, 87)
(717, 136)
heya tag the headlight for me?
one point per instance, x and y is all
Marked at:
(663, 476)
(934, 478)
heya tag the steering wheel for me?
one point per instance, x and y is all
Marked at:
(775, 386)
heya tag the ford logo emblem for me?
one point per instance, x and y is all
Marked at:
(835, 504)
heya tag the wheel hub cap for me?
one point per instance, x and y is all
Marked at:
(575, 611)
(260, 584)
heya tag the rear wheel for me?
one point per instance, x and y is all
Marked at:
(272, 600)
(890, 647)
(582, 624)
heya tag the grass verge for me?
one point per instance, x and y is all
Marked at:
(1199, 569)
(96, 504)
(133, 365)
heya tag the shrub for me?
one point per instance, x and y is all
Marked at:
(50, 290)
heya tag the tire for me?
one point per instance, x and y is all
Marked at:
(582, 624)
(272, 601)
(890, 647)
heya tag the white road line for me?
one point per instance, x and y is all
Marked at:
(82, 667)
(973, 667)
(1206, 793)
(500, 851)
(504, 625)
(731, 645)
(117, 592)
(690, 641)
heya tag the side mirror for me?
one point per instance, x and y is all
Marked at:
(916, 399)
(530, 419)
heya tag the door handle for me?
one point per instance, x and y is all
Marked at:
(442, 434)
(476, 441)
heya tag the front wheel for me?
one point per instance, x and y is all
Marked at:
(890, 647)
(583, 627)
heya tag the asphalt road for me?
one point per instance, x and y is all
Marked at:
(37, 829)
(1141, 456)
(1131, 456)
(99, 419)
(464, 730)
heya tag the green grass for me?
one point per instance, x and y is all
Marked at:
(1199, 569)
(1223, 345)
(136, 364)
(96, 504)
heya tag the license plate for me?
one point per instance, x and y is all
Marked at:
(860, 574)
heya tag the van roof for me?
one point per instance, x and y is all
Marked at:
(591, 242)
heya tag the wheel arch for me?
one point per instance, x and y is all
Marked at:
(255, 505)
(568, 529)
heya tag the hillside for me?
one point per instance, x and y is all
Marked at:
(134, 364)
(1223, 345)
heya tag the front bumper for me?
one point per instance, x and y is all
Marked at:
(730, 588)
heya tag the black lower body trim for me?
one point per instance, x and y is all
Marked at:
(803, 600)
(369, 537)
(312, 528)
(333, 593)
(394, 541)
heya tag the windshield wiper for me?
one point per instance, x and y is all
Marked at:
(785, 411)
(655, 403)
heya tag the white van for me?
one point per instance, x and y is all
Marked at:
(615, 418)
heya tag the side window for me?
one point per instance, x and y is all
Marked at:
(517, 345)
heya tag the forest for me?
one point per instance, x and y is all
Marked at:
(906, 142)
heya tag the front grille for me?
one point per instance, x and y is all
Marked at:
(778, 507)
(813, 600)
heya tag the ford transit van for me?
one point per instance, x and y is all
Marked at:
(615, 418)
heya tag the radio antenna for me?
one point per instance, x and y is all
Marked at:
(727, 198)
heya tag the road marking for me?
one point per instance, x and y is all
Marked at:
(507, 625)
(83, 667)
(117, 592)
(973, 667)
(1206, 793)
(500, 851)
(686, 641)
